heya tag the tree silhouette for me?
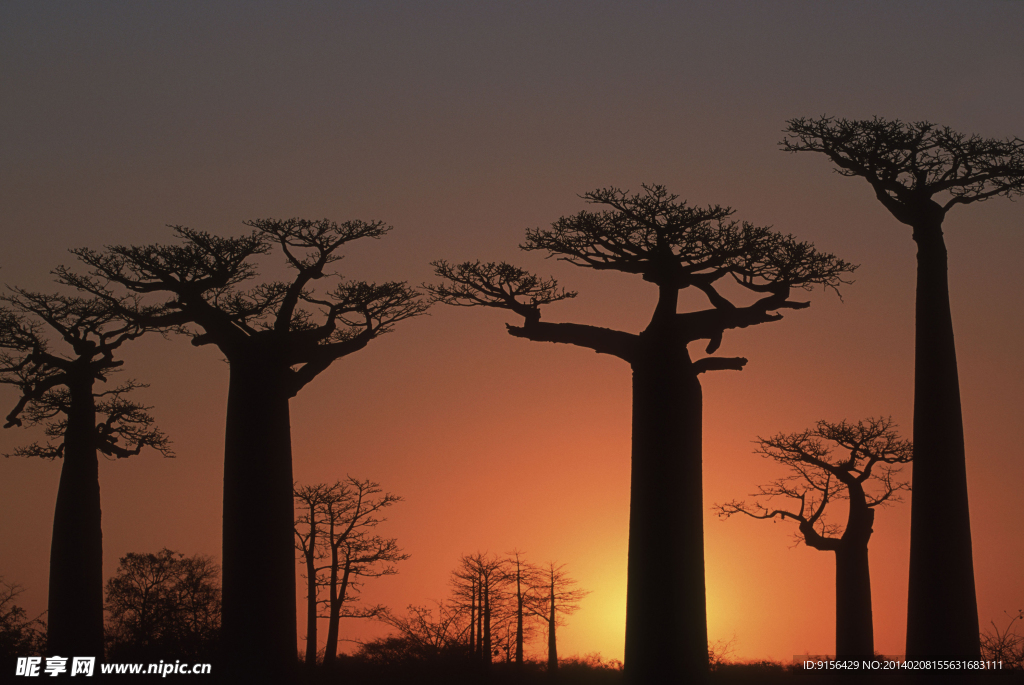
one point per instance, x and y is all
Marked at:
(275, 345)
(19, 634)
(555, 596)
(335, 528)
(675, 247)
(163, 606)
(482, 579)
(865, 476)
(1005, 646)
(523, 576)
(309, 520)
(425, 633)
(57, 389)
(919, 172)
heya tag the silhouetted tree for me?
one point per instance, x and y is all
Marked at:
(523, 576)
(349, 513)
(483, 578)
(865, 476)
(919, 172)
(309, 501)
(163, 606)
(275, 345)
(19, 634)
(675, 247)
(57, 389)
(1005, 646)
(555, 596)
(425, 633)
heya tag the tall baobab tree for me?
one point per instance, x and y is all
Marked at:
(309, 520)
(352, 552)
(554, 595)
(522, 576)
(866, 476)
(55, 349)
(919, 172)
(277, 337)
(484, 579)
(675, 247)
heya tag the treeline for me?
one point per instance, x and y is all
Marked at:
(498, 605)
(58, 351)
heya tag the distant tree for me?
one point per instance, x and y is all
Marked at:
(919, 172)
(466, 597)
(1005, 646)
(866, 476)
(720, 651)
(424, 633)
(523, 578)
(309, 520)
(163, 606)
(19, 634)
(57, 389)
(348, 512)
(555, 595)
(483, 579)
(675, 247)
(277, 336)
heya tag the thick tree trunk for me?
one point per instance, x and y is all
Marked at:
(942, 612)
(259, 627)
(854, 630)
(666, 624)
(75, 611)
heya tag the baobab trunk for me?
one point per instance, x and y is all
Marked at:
(480, 620)
(854, 629)
(519, 618)
(334, 617)
(472, 617)
(942, 612)
(552, 644)
(259, 631)
(311, 620)
(487, 621)
(75, 612)
(666, 624)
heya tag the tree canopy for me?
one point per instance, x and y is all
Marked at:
(208, 277)
(666, 242)
(907, 163)
(868, 465)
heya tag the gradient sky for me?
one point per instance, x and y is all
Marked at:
(462, 124)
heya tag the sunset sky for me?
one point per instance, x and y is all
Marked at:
(462, 124)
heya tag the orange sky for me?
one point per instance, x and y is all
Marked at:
(463, 125)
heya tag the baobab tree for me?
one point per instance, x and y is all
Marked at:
(554, 595)
(675, 247)
(919, 172)
(483, 580)
(522, 575)
(309, 520)
(277, 337)
(865, 474)
(349, 512)
(55, 349)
